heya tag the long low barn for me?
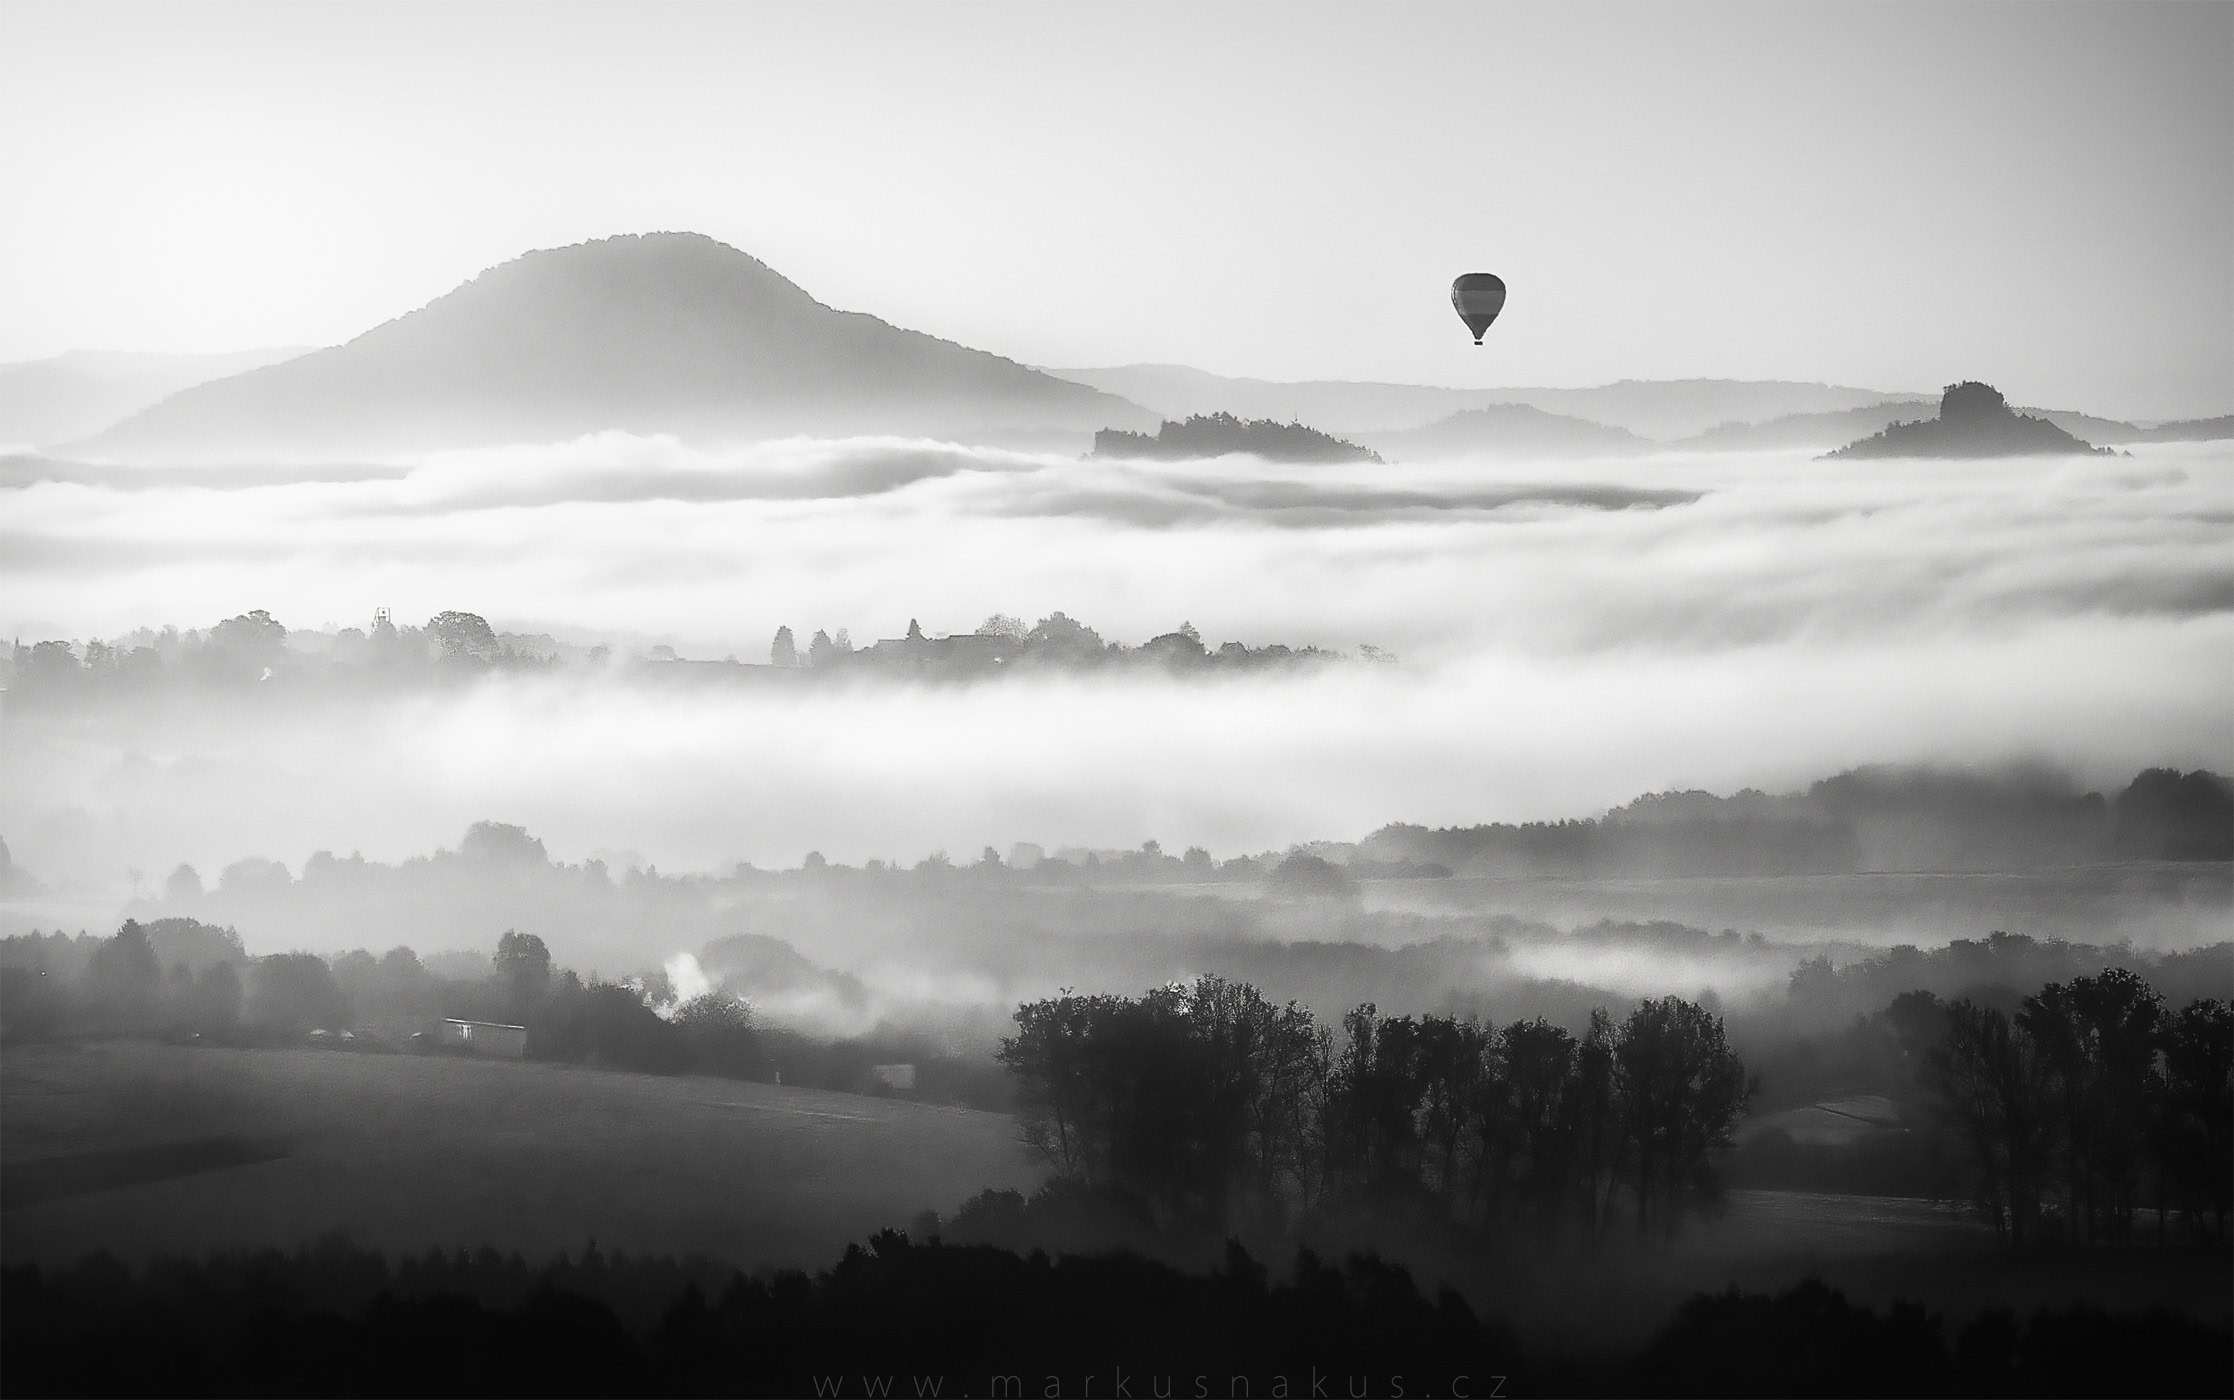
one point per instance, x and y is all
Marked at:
(486, 1038)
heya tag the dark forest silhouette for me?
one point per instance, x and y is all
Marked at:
(1217, 434)
(973, 1319)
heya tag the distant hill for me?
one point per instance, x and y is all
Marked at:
(1821, 430)
(1507, 430)
(1178, 392)
(1861, 820)
(1667, 409)
(1814, 431)
(70, 396)
(2085, 426)
(2187, 430)
(1974, 421)
(652, 333)
(1659, 409)
(1216, 434)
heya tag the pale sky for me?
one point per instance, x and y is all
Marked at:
(1880, 194)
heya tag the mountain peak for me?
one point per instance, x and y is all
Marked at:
(668, 332)
(1974, 421)
(614, 280)
(673, 250)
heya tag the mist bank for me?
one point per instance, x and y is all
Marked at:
(711, 551)
(1571, 634)
(701, 778)
(935, 964)
(843, 948)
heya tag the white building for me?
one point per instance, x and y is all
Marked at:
(486, 1038)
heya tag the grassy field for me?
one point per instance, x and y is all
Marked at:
(145, 1149)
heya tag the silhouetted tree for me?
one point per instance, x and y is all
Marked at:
(1306, 876)
(1375, 1087)
(523, 972)
(1216, 1108)
(255, 877)
(1062, 640)
(2098, 1038)
(290, 993)
(718, 1029)
(1537, 1117)
(1457, 1062)
(502, 844)
(247, 645)
(1596, 1116)
(463, 635)
(1993, 1084)
(215, 1006)
(1682, 1092)
(124, 981)
(1060, 1106)
(2195, 1118)
(406, 990)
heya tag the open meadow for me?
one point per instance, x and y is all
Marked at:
(145, 1149)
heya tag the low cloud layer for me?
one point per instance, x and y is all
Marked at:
(712, 551)
(1572, 635)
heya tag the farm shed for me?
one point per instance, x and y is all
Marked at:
(485, 1038)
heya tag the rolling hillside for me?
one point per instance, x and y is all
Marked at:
(144, 1148)
(1508, 430)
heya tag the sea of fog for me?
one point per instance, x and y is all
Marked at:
(1569, 635)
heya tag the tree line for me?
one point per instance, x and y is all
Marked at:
(2091, 1104)
(1003, 644)
(2089, 1112)
(1217, 1109)
(1856, 821)
(180, 979)
(255, 648)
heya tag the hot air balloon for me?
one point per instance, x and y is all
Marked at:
(1479, 296)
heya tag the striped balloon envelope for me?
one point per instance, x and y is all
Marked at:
(1479, 296)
